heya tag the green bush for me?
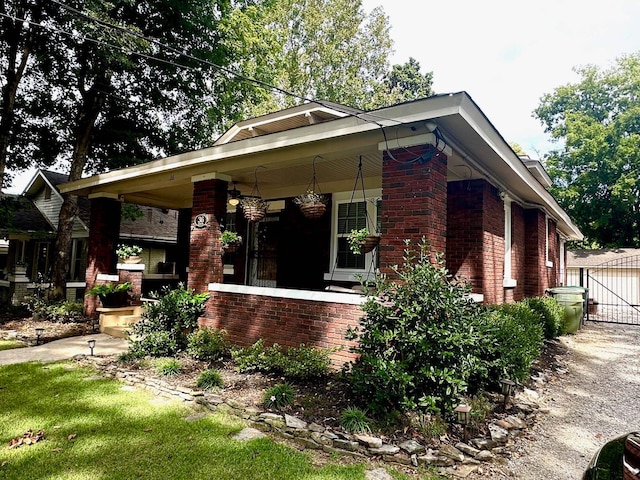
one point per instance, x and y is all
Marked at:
(168, 367)
(279, 396)
(514, 339)
(209, 379)
(64, 312)
(295, 363)
(207, 344)
(166, 324)
(418, 341)
(354, 420)
(551, 313)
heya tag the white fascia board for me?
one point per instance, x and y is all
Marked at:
(405, 142)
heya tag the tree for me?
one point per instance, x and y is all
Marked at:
(596, 171)
(110, 95)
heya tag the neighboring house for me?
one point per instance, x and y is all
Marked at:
(433, 168)
(31, 237)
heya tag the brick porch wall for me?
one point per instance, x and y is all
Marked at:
(414, 203)
(103, 239)
(286, 321)
(518, 257)
(539, 276)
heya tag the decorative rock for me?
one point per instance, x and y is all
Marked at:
(428, 459)
(321, 439)
(385, 450)
(414, 460)
(444, 461)
(451, 452)
(307, 443)
(498, 434)
(377, 474)
(485, 456)
(247, 434)
(411, 447)
(463, 471)
(314, 427)
(368, 440)
(293, 422)
(516, 422)
(196, 416)
(345, 444)
(484, 443)
(403, 460)
(468, 449)
(338, 451)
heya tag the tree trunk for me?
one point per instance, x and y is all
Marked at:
(92, 106)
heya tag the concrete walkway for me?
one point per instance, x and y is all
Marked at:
(64, 349)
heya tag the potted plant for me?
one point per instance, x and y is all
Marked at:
(231, 241)
(312, 204)
(111, 294)
(362, 241)
(129, 253)
(254, 208)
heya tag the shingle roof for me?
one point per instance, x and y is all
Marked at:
(26, 218)
(593, 258)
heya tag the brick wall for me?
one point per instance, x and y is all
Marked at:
(493, 244)
(518, 253)
(205, 253)
(103, 239)
(414, 202)
(286, 321)
(539, 276)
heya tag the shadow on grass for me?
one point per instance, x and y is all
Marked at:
(95, 430)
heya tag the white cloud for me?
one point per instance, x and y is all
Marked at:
(507, 54)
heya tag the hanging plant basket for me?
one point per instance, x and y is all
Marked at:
(254, 209)
(369, 243)
(231, 241)
(363, 241)
(312, 205)
(231, 247)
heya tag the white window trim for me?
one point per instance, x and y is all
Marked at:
(548, 262)
(350, 274)
(508, 281)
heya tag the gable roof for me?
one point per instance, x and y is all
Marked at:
(27, 218)
(477, 150)
(594, 258)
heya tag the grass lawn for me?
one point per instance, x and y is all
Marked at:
(10, 344)
(96, 430)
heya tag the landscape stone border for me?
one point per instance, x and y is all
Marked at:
(460, 459)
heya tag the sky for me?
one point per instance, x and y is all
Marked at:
(506, 54)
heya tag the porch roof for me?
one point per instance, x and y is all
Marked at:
(286, 142)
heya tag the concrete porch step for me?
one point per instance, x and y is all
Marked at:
(117, 331)
(118, 320)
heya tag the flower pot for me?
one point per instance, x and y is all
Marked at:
(369, 243)
(313, 210)
(254, 213)
(231, 247)
(114, 300)
(132, 259)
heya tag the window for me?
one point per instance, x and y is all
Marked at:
(547, 244)
(47, 192)
(508, 281)
(349, 215)
(78, 260)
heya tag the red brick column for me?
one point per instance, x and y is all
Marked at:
(132, 273)
(539, 276)
(414, 202)
(205, 255)
(104, 231)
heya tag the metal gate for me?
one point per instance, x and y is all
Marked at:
(614, 291)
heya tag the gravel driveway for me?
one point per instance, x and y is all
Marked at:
(594, 398)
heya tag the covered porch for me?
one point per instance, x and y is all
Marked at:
(393, 171)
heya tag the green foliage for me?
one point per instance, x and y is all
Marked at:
(209, 379)
(207, 343)
(551, 313)
(165, 325)
(295, 363)
(124, 251)
(131, 212)
(229, 236)
(430, 425)
(64, 312)
(514, 340)
(418, 341)
(108, 288)
(354, 420)
(279, 396)
(355, 239)
(596, 170)
(168, 367)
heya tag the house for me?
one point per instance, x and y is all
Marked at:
(31, 236)
(434, 168)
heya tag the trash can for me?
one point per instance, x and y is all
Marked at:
(573, 299)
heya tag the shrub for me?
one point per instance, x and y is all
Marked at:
(295, 363)
(207, 343)
(209, 379)
(551, 312)
(168, 367)
(64, 312)
(279, 396)
(515, 338)
(165, 325)
(418, 341)
(354, 420)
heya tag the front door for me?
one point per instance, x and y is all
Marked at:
(263, 252)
